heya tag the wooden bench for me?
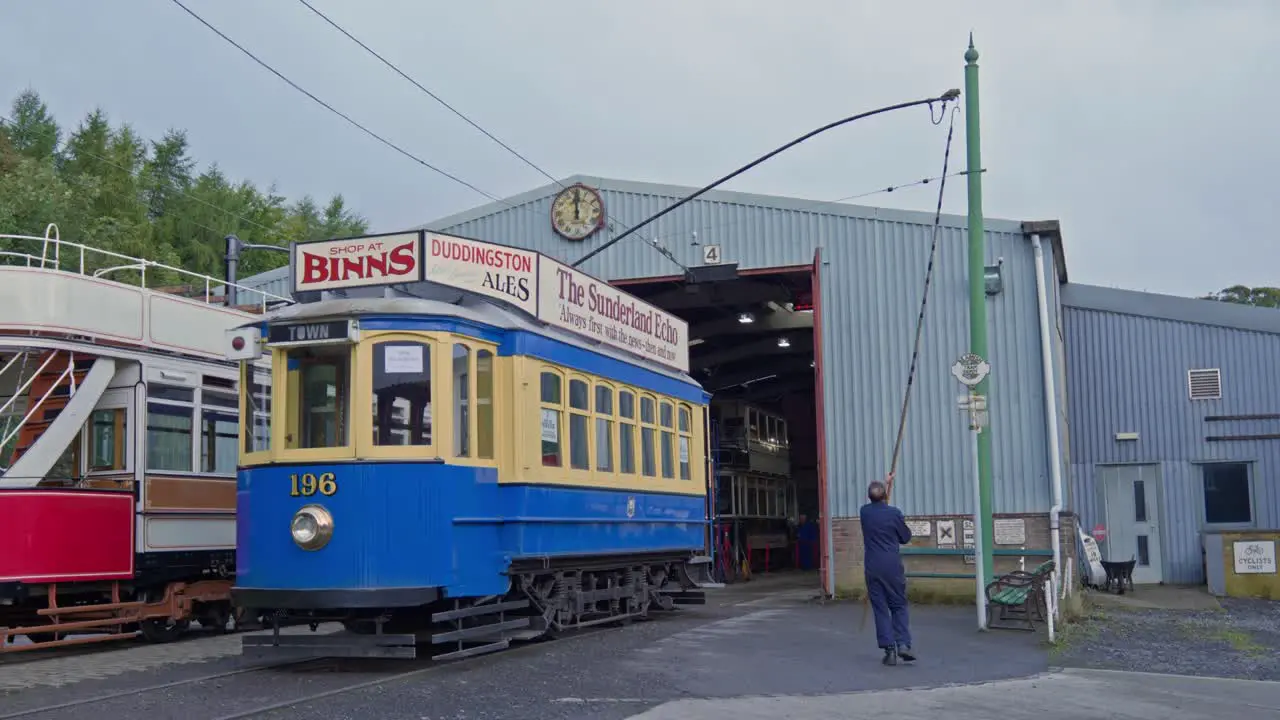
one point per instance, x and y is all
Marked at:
(1020, 598)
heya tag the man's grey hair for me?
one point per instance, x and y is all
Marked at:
(877, 492)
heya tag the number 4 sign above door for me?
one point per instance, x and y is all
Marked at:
(710, 254)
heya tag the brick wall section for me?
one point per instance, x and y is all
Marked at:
(847, 544)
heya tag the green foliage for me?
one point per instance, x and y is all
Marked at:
(1241, 295)
(108, 188)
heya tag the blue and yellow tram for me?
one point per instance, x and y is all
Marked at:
(461, 473)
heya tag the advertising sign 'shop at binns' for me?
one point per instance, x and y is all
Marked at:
(551, 291)
(357, 262)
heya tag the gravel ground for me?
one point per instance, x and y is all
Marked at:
(1242, 640)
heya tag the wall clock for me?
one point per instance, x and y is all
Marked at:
(576, 212)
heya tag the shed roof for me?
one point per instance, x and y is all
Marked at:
(1171, 307)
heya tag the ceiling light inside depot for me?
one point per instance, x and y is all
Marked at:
(745, 318)
(783, 342)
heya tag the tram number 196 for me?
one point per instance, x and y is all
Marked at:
(307, 484)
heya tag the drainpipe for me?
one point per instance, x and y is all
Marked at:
(1051, 422)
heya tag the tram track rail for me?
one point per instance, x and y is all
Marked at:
(415, 668)
(10, 658)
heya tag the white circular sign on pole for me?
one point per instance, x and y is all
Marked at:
(970, 369)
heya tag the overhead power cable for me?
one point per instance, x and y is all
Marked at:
(612, 221)
(433, 95)
(818, 204)
(944, 98)
(335, 111)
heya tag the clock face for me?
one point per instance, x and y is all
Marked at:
(576, 212)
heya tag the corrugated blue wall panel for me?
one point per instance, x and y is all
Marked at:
(1128, 373)
(873, 275)
(871, 292)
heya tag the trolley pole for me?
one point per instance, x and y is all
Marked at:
(978, 298)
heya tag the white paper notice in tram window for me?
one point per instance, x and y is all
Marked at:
(684, 450)
(550, 426)
(402, 359)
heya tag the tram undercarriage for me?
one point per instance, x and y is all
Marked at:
(545, 599)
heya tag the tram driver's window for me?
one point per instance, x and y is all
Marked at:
(401, 393)
(320, 377)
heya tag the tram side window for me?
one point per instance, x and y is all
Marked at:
(484, 404)
(108, 430)
(170, 411)
(685, 429)
(667, 420)
(401, 394)
(579, 421)
(257, 436)
(626, 432)
(604, 428)
(219, 426)
(550, 394)
(461, 400)
(648, 439)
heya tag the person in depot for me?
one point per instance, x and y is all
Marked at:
(884, 530)
(807, 542)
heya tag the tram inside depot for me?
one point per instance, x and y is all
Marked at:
(752, 347)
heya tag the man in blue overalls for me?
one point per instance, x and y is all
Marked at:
(883, 530)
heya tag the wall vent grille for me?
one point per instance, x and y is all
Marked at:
(1204, 384)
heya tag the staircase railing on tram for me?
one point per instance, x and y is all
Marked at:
(95, 262)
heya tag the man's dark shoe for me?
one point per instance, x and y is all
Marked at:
(906, 654)
(890, 656)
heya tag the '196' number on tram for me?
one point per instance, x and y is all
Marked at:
(307, 484)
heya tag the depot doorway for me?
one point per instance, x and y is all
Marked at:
(755, 345)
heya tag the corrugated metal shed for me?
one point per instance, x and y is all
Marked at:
(1128, 358)
(873, 265)
(275, 282)
(872, 277)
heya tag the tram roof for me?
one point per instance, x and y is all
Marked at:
(439, 301)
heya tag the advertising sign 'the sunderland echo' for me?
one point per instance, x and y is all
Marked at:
(551, 291)
(584, 305)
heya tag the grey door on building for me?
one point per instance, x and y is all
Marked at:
(1129, 496)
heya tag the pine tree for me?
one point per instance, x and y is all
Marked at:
(109, 188)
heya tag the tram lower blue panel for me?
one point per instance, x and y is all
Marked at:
(392, 528)
(542, 520)
(452, 527)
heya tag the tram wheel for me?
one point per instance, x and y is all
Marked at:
(214, 616)
(164, 629)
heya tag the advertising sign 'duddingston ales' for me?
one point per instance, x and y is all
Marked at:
(551, 291)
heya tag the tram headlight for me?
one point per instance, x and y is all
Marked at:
(312, 526)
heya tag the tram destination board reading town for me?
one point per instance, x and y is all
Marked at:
(550, 291)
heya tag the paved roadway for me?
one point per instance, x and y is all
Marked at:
(753, 652)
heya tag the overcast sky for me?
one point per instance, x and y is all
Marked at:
(1147, 128)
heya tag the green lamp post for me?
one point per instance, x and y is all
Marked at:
(978, 298)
